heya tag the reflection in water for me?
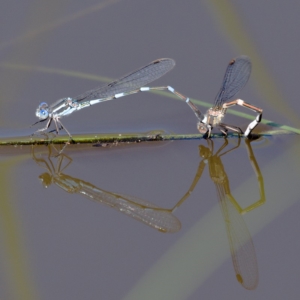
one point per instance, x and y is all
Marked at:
(240, 241)
(138, 209)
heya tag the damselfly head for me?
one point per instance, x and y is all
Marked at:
(46, 179)
(204, 152)
(202, 128)
(42, 111)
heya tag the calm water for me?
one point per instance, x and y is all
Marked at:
(155, 220)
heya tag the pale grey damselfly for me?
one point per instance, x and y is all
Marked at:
(129, 84)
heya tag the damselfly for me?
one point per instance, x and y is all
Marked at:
(236, 76)
(240, 241)
(138, 209)
(129, 84)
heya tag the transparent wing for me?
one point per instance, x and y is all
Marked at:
(240, 241)
(138, 209)
(131, 81)
(236, 76)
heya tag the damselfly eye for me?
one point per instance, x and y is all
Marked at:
(42, 114)
(45, 179)
(42, 111)
(204, 152)
(202, 128)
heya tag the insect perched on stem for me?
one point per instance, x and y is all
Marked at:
(129, 84)
(236, 76)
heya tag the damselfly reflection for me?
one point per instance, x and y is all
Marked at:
(138, 209)
(236, 76)
(241, 245)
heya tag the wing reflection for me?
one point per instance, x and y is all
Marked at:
(138, 209)
(240, 241)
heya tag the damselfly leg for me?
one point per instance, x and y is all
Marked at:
(141, 210)
(236, 76)
(240, 241)
(127, 85)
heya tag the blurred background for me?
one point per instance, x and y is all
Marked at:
(57, 245)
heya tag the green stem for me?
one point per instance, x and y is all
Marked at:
(103, 139)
